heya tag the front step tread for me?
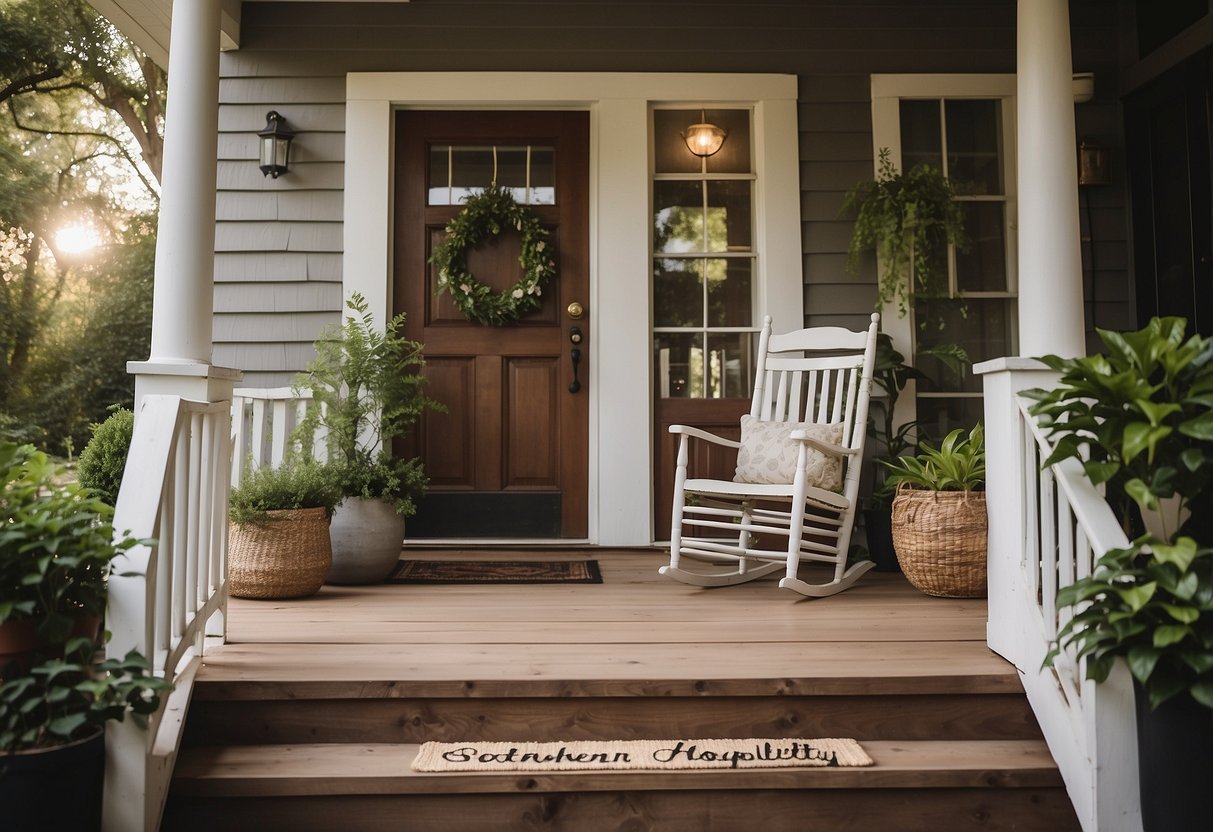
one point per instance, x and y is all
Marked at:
(384, 768)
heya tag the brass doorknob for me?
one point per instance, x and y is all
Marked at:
(575, 310)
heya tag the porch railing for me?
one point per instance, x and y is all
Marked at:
(167, 597)
(262, 422)
(1048, 527)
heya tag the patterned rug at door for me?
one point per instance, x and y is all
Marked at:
(648, 755)
(496, 572)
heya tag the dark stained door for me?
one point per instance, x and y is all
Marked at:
(1167, 132)
(510, 457)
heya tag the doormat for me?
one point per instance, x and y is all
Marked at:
(496, 572)
(652, 755)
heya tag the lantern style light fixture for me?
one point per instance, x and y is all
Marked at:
(275, 145)
(1093, 164)
(704, 138)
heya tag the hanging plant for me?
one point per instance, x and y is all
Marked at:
(910, 219)
(483, 215)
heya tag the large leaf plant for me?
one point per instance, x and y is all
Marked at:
(1138, 417)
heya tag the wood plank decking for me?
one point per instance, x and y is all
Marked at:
(316, 705)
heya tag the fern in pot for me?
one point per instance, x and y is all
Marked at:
(367, 390)
(939, 515)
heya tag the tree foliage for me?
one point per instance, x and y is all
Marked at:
(80, 142)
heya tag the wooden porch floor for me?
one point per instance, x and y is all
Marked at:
(636, 628)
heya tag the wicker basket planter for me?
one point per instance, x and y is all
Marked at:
(940, 540)
(285, 556)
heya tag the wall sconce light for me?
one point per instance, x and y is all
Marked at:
(1093, 166)
(704, 138)
(275, 145)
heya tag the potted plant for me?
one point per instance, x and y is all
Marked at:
(57, 548)
(367, 390)
(1139, 417)
(1151, 604)
(939, 515)
(890, 441)
(278, 544)
(910, 219)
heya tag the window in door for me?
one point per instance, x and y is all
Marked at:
(970, 137)
(703, 261)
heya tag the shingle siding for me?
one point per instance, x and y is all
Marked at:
(279, 242)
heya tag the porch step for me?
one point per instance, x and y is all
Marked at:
(309, 717)
(918, 785)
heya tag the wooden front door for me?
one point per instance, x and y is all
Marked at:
(510, 457)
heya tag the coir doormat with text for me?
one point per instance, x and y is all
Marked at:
(623, 755)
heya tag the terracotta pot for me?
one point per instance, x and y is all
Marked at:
(20, 641)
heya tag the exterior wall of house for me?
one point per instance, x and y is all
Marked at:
(279, 242)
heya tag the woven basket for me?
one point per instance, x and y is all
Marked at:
(285, 556)
(940, 540)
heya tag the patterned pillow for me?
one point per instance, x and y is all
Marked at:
(767, 455)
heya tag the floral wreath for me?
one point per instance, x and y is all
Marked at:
(484, 214)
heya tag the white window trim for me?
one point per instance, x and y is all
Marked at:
(887, 92)
(621, 427)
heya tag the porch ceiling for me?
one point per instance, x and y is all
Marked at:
(147, 22)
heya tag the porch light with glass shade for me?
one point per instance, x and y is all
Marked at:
(704, 138)
(275, 145)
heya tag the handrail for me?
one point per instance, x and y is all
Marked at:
(168, 595)
(1049, 525)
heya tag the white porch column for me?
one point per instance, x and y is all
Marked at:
(1050, 258)
(183, 304)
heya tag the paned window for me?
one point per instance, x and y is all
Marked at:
(459, 171)
(970, 137)
(703, 264)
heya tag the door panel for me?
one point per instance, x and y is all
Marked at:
(510, 458)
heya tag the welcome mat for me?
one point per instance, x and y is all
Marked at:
(623, 755)
(496, 572)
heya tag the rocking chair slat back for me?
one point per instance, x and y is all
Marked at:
(821, 375)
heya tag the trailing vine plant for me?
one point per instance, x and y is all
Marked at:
(483, 215)
(909, 219)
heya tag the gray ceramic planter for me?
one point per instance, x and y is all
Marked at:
(367, 536)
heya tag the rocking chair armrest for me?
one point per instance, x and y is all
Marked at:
(825, 447)
(687, 430)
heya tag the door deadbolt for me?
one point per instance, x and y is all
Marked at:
(575, 310)
(575, 335)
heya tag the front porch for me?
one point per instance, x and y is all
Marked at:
(309, 716)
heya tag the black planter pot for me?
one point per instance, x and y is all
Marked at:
(877, 523)
(53, 790)
(1175, 764)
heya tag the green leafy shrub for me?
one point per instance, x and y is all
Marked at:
(56, 544)
(104, 457)
(958, 464)
(67, 699)
(1152, 604)
(1139, 417)
(294, 484)
(397, 481)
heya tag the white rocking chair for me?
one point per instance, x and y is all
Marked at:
(826, 374)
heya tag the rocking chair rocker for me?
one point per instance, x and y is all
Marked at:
(795, 479)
